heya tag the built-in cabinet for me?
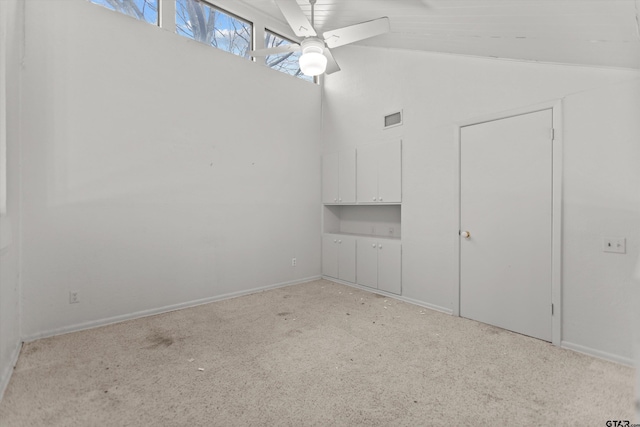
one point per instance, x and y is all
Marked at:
(378, 263)
(362, 194)
(339, 177)
(339, 256)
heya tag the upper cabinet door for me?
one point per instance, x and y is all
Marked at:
(367, 172)
(380, 173)
(330, 178)
(347, 177)
(390, 172)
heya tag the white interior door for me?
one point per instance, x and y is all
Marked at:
(506, 207)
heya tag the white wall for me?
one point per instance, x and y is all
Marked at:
(11, 30)
(600, 169)
(601, 199)
(157, 170)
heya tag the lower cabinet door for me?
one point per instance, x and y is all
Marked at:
(367, 262)
(330, 255)
(390, 266)
(347, 258)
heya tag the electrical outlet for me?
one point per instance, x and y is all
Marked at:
(74, 297)
(294, 262)
(616, 245)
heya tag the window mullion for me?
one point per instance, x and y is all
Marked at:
(167, 14)
(258, 41)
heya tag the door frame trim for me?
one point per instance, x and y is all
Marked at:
(556, 189)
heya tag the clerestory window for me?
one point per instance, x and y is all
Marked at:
(208, 24)
(144, 10)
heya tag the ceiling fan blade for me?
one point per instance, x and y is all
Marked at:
(294, 47)
(296, 18)
(356, 32)
(332, 65)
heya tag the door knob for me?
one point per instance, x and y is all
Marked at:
(465, 234)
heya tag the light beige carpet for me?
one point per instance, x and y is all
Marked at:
(313, 354)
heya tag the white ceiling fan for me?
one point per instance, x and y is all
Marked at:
(316, 57)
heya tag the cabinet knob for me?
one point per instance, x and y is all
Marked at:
(373, 246)
(374, 199)
(339, 200)
(380, 199)
(335, 241)
(335, 200)
(339, 241)
(380, 246)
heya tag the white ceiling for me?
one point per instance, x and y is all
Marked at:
(586, 32)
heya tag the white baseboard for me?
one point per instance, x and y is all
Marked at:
(390, 295)
(8, 370)
(597, 353)
(429, 306)
(151, 312)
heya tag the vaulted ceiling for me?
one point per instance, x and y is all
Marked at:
(585, 32)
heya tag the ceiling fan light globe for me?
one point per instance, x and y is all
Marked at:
(313, 63)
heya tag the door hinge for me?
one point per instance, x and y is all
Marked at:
(552, 134)
(552, 309)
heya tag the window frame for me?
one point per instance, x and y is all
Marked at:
(252, 39)
(158, 12)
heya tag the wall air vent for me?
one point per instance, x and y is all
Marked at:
(394, 119)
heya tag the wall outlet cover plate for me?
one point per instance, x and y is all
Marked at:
(614, 244)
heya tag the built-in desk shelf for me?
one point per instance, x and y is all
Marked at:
(363, 220)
